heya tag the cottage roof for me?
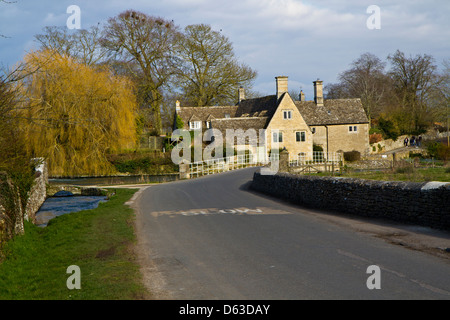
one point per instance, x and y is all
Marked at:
(258, 107)
(256, 113)
(243, 123)
(206, 113)
(333, 111)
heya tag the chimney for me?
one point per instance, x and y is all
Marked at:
(282, 85)
(301, 96)
(241, 94)
(177, 106)
(318, 92)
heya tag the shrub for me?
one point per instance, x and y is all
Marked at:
(375, 137)
(380, 148)
(444, 152)
(438, 150)
(352, 156)
(375, 130)
(179, 122)
(143, 163)
(388, 129)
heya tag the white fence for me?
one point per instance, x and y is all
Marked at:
(315, 161)
(213, 166)
(316, 157)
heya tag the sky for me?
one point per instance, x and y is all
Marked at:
(304, 40)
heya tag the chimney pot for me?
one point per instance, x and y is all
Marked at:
(302, 95)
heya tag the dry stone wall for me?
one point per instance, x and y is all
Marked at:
(425, 204)
(12, 215)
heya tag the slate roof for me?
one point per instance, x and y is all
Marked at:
(333, 111)
(256, 113)
(206, 113)
(243, 123)
(258, 107)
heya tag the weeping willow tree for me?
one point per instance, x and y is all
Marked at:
(74, 114)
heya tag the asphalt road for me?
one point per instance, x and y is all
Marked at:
(211, 238)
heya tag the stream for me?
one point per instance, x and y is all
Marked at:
(65, 202)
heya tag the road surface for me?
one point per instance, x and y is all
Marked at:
(212, 238)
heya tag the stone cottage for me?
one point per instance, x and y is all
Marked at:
(282, 122)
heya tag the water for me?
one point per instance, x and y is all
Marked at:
(56, 206)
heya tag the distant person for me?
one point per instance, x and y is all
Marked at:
(419, 141)
(412, 141)
(405, 142)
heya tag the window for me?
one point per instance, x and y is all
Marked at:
(208, 124)
(195, 125)
(227, 115)
(278, 137)
(352, 129)
(300, 136)
(287, 114)
(313, 130)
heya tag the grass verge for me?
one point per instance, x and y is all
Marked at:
(414, 175)
(98, 241)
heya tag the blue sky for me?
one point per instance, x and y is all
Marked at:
(304, 40)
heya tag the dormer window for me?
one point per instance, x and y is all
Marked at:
(227, 116)
(195, 125)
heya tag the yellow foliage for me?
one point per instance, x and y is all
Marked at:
(74, 114)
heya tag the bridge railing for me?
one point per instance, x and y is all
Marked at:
(212, 166)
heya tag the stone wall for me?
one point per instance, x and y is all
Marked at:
(387, 145)
(38, 192)
(12, 215)
(425, 204)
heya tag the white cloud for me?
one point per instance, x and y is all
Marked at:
(301, 39)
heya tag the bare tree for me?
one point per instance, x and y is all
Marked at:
(210, 73)
(145, 44)
(414, 79)
(83, 45)
(439, 99)
(367, 80)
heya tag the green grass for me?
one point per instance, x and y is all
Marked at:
(99, 241)
(414, 175)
